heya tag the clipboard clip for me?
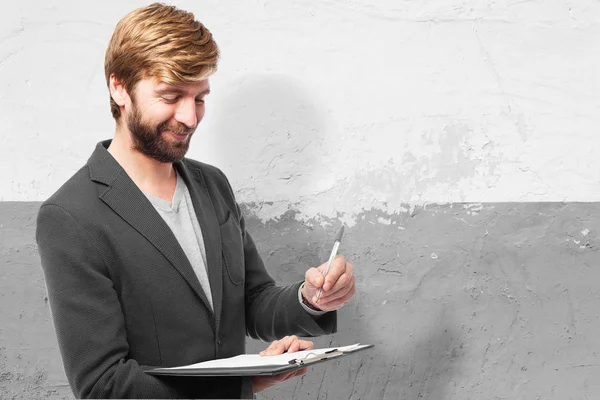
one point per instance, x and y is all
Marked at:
(312, 357)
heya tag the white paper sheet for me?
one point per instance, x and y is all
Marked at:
(256, 360)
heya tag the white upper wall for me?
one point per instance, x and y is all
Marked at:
(334, 106)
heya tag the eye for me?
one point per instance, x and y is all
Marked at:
(199, 101)
(170, 100)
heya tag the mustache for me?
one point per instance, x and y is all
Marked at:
(180, 128)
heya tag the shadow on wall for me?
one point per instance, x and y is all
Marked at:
(417, 352)
(409, 361)
(425, 367)
(269, 136)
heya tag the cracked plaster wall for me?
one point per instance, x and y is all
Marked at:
(333, 106)
(495, 301)
(437, 131)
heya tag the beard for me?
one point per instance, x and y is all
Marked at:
(148, 139)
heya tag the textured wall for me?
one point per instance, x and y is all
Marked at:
(455, 139)
(333, 106)
(493, 301)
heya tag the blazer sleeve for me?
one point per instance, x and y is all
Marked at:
(88, 319)
(274, 311)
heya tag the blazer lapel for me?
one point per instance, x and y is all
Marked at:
(124, 197)
(211, 232)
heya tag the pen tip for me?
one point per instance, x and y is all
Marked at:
(339, 234)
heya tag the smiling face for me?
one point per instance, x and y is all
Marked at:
(162, 42)
(162, 117)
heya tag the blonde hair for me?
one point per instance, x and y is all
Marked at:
(162, 42)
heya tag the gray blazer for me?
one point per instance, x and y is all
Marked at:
(124, 297)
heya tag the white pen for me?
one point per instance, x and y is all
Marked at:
(336, 246)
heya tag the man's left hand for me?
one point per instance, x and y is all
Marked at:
(288, 344)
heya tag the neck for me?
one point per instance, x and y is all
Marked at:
(147, 173)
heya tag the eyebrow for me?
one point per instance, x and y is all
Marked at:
(176, 90)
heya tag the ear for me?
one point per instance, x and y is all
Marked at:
(118, 92)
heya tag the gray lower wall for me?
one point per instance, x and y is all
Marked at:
(462, 301)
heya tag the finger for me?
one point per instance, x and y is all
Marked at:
(267, 351)
(261, 383)
(314, 278)
(294, 347)
(299, 372)
(338, 267)
(289, 375)
(299, 344)
(343, 294)
(296, 344)
(284, 376)
(340, 277)
(307, 345)
(275, 348)
(286, 342)
(339, 299)
(342, 284)
(290, 344)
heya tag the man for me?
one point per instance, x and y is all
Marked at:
(145, 253)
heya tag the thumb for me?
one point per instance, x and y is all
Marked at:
(314, 279)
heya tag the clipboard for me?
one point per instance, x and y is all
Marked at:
(256, 365)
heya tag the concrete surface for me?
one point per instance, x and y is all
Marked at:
(456, 139)
(463, 301)
(377, 103)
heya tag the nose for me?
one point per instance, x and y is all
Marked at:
(187, 113)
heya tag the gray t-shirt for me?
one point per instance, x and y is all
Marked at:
(180, 216)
